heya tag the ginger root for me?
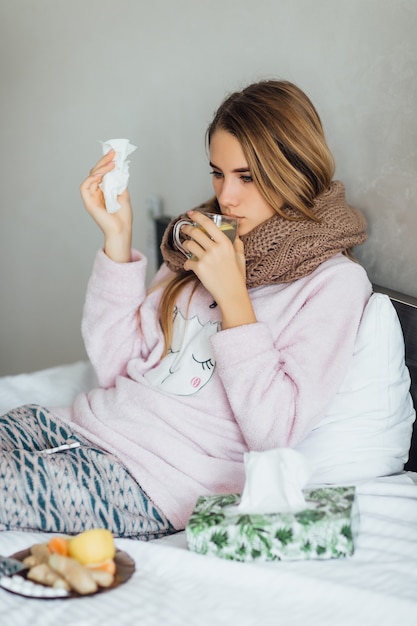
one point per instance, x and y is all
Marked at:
(39, 553)
(44, 574)
(77, 576)
(102, 578)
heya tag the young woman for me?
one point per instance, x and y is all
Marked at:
(242, 347)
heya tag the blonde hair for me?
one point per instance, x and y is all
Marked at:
(282, 138)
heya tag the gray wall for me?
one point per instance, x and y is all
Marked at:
(73, 73)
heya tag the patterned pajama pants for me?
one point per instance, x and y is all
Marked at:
(70, 490)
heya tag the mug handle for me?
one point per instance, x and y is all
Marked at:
(176, 236)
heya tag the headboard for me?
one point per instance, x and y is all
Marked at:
(406, 307)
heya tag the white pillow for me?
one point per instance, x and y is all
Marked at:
(367, 428)
(55, 386)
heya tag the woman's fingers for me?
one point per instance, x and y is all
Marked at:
(208, 227)
(106, 163)
(91, 192)
(90, 189)
(204, 235)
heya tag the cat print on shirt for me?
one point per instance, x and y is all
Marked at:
(190, 363)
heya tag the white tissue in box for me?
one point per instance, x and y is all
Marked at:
(115, 182)
(274, 481)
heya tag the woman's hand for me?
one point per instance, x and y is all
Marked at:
(116, 227)
(221, 268)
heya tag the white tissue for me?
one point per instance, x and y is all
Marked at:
(115, 182)
(274, 481)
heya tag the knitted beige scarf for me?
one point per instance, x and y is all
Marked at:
(281, 250)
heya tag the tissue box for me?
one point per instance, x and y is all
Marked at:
(323, 530)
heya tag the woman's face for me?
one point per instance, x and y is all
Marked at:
(236, 193)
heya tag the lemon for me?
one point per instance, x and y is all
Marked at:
(92, 546)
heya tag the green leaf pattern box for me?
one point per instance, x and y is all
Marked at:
(325, 529)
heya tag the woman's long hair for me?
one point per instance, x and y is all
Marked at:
(283, 141)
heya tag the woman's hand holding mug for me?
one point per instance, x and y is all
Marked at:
(227, 225)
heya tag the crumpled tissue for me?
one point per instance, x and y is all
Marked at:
(115, 182)
(274, 481)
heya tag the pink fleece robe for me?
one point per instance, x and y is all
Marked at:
(264, 386)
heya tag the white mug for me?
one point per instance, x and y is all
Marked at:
(228, 226)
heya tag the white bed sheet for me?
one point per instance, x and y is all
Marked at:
(173, 586)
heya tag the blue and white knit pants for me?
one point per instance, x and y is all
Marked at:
(71, 490)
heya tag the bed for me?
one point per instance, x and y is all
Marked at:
(174, 586)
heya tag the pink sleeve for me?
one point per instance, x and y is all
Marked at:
(279, 386)
(110, 324)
